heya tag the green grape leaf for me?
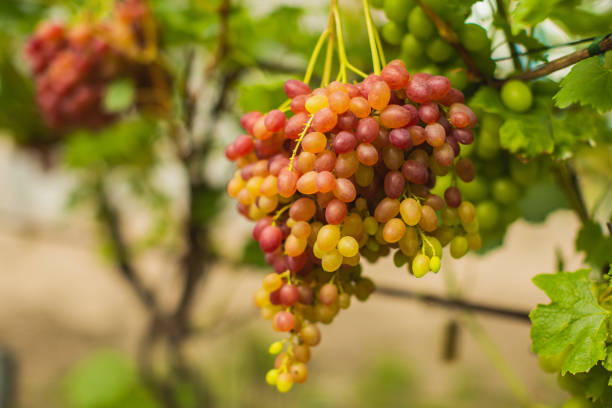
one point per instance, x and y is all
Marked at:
(608, 361)
(581, 22)
(572, 319)
(119, 95)
(529, 136)
(531, 12)
(488, 100)
(589, 83)
(595, 244)
(596, 385)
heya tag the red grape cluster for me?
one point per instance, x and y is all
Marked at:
(74, 65)
(349, 175)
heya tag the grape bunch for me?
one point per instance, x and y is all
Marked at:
(73, 66)
(348, 175)
(410, 30)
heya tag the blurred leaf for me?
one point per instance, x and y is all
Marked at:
(119, 95)
(596, 245)
(589, 83)
(573, 320)
(129, 142)
(540, 200)
(207, 203)
(529, 136)
(531, 12)
(253, 255)
(530, 43)
(186, 21)
(582, 22)
(262, 96)
(102, 379)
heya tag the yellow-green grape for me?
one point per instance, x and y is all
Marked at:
(272, 376)
(267, 204)
(432, 246)
(361, 204)
(271, 282)
(434, 264)
(445, 235)
(253, 185)
(348, 246)
(379, 235)
(372, 245)
(331, 261)
(449, 216)
(364, 175)
(410, 210)
(420, 265)
(255, 213)
(284, 382)
(261, 298)
(399, 259)
(353, 225)
(317, 251)
(344, 300)
(352, 260)
(393, 230)
(474, 241)
(472, 227)
(458, 247)
(328, 237)
(370, 225)
(409, 244)
(276, 347)
(315, 103)
(467, 212)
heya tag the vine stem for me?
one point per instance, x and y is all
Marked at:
(501, 10)
(329, 54)
(598, 48)
(450, 36)
(497, 359)
(371, 37)
(315, 54)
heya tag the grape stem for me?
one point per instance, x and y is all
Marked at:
(329, 54)
(297, 145)
(372, 37)
(315, 54)
(344, 62)
(280, 212)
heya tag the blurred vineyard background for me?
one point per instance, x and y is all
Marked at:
(70, 326)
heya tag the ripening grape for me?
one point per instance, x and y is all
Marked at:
(458, 247)
(419, 24)
(348, 246)
(516, 95)
(420, 265)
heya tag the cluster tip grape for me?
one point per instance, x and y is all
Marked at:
(347, 175)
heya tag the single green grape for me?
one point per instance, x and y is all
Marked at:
(412, 47)
(458, 247)
(420, 265)
(420, 25)
(488, 144)
(475, 190)
(434, 264)
(439, 50)
(516, 95)
(459, 80)
(392, 32)
(505, 191)
(487, 213)
(474, 37)
(399, 259)
(397, 10)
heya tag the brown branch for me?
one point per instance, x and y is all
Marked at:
(568, 181)
(604, 45)
(112, 222)
(223, 44)
(454, 303)
(446, 32)
(501, 9)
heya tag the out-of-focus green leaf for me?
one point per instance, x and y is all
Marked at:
(596, 246)
(531, 12)
(262, 96)
(540, 200)
(582, 22)
(129, 142)
(589, 83)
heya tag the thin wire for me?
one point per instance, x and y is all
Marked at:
(546, 48)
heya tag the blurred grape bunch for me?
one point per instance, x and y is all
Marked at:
(90, 72)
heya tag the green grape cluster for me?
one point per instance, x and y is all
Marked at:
(418, 43)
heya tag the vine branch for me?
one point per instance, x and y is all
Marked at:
(598, 48)
(449, 35)
(501, 10)
(454, 303)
